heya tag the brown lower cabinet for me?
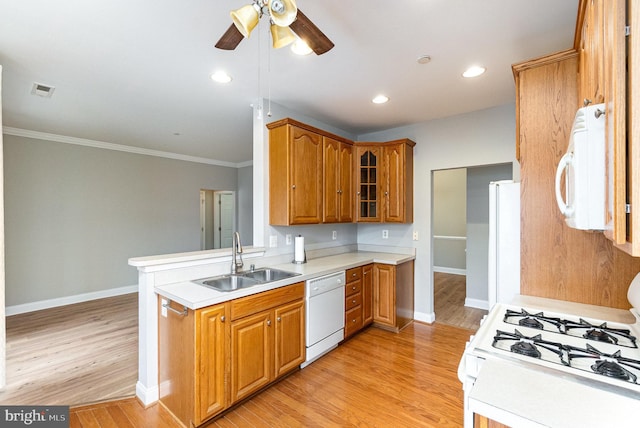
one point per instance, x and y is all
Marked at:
(393, 295)
(213, 357)
(484, 422)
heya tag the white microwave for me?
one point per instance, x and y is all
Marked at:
(584, 171)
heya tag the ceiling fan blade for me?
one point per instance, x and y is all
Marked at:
(230, 39)
(306, 30)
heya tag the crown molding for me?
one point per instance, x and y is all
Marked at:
(18, 132)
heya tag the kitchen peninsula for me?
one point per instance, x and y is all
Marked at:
(171, 276)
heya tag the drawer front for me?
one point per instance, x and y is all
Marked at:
(353, 274)
(266, 300)
(353, 321)
(352, 288)
(352, 301)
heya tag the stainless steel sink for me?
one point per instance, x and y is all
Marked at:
(268, 274)
(245, 279)
(227, 282)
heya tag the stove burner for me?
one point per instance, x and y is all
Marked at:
(526, 348)
(538, 321)
(610, 369)
(533, 346)
(531, 322)
(610, 365)
(599, 335)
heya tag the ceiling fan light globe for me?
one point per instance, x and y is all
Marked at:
(245, 19)
(281, 36)
(282, 12)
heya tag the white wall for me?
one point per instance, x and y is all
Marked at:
(483, 137)
(74, 215)
(245, 204)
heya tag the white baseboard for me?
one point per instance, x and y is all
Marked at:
(423, 317)
(147, 396)
(68, 300)
(454, 271)
(476, 303)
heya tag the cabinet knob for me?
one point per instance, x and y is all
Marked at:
(353, 320)
(353, 301)
(353, 288)
(386, 193)
(293, 187)
(586, 102)
(279, 319)
(222, 318)
(598, 113)
(354, 274)
(269, 322)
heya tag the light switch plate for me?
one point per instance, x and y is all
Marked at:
(273, 241)
(334, 235)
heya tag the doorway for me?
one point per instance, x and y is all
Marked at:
(460, 236)
(217, 218)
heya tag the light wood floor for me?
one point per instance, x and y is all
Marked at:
(376, 379)
(74, 354)
(449, 292)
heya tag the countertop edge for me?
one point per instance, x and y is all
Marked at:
(194, 296)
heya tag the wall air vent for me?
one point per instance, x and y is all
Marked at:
(42, 90)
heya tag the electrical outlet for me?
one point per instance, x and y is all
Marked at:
(415, 235)
(385, 234)
(334, 235)
(163, 312)
(273, 241)
(288, 239)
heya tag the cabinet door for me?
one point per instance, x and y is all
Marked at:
(369, 165)
(251, 354)
(345, 193)
(394, 190)
(367, 294)
(305, 165)
(289, 337)
(211, 367)
(592, 54)
(384, 285)
(331, 175)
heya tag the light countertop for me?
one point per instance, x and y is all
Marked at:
(195, 296)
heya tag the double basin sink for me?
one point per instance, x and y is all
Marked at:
(247, 279)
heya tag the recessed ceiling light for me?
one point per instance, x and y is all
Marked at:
(474, 71)
(299, 47)
(380, 99)
(221, 77)
(424, 59)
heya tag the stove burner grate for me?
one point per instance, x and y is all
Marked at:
(610, 365)
(529, 346)
(531, 322)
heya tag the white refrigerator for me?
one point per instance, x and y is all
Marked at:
(504, 241)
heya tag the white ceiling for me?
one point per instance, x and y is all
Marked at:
(136, 72)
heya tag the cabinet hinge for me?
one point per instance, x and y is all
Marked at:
(627, 208)
(627, 30)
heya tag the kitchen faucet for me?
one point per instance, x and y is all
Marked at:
(236, 251)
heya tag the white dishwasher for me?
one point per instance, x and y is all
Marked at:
(324, 315)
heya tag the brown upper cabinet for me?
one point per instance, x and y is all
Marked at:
(318, 177)
(608, 61)
(384, 181)
(338, 185)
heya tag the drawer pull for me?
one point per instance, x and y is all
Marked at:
(353, 288)
(353, 301)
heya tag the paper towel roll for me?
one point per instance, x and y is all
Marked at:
(298, 251)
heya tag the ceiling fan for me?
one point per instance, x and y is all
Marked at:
(284, 16)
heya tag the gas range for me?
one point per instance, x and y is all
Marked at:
(589, 351)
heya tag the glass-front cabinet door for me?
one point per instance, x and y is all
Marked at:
(369, 168)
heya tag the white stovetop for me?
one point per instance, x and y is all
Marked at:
(195, 296)
(518, 392)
